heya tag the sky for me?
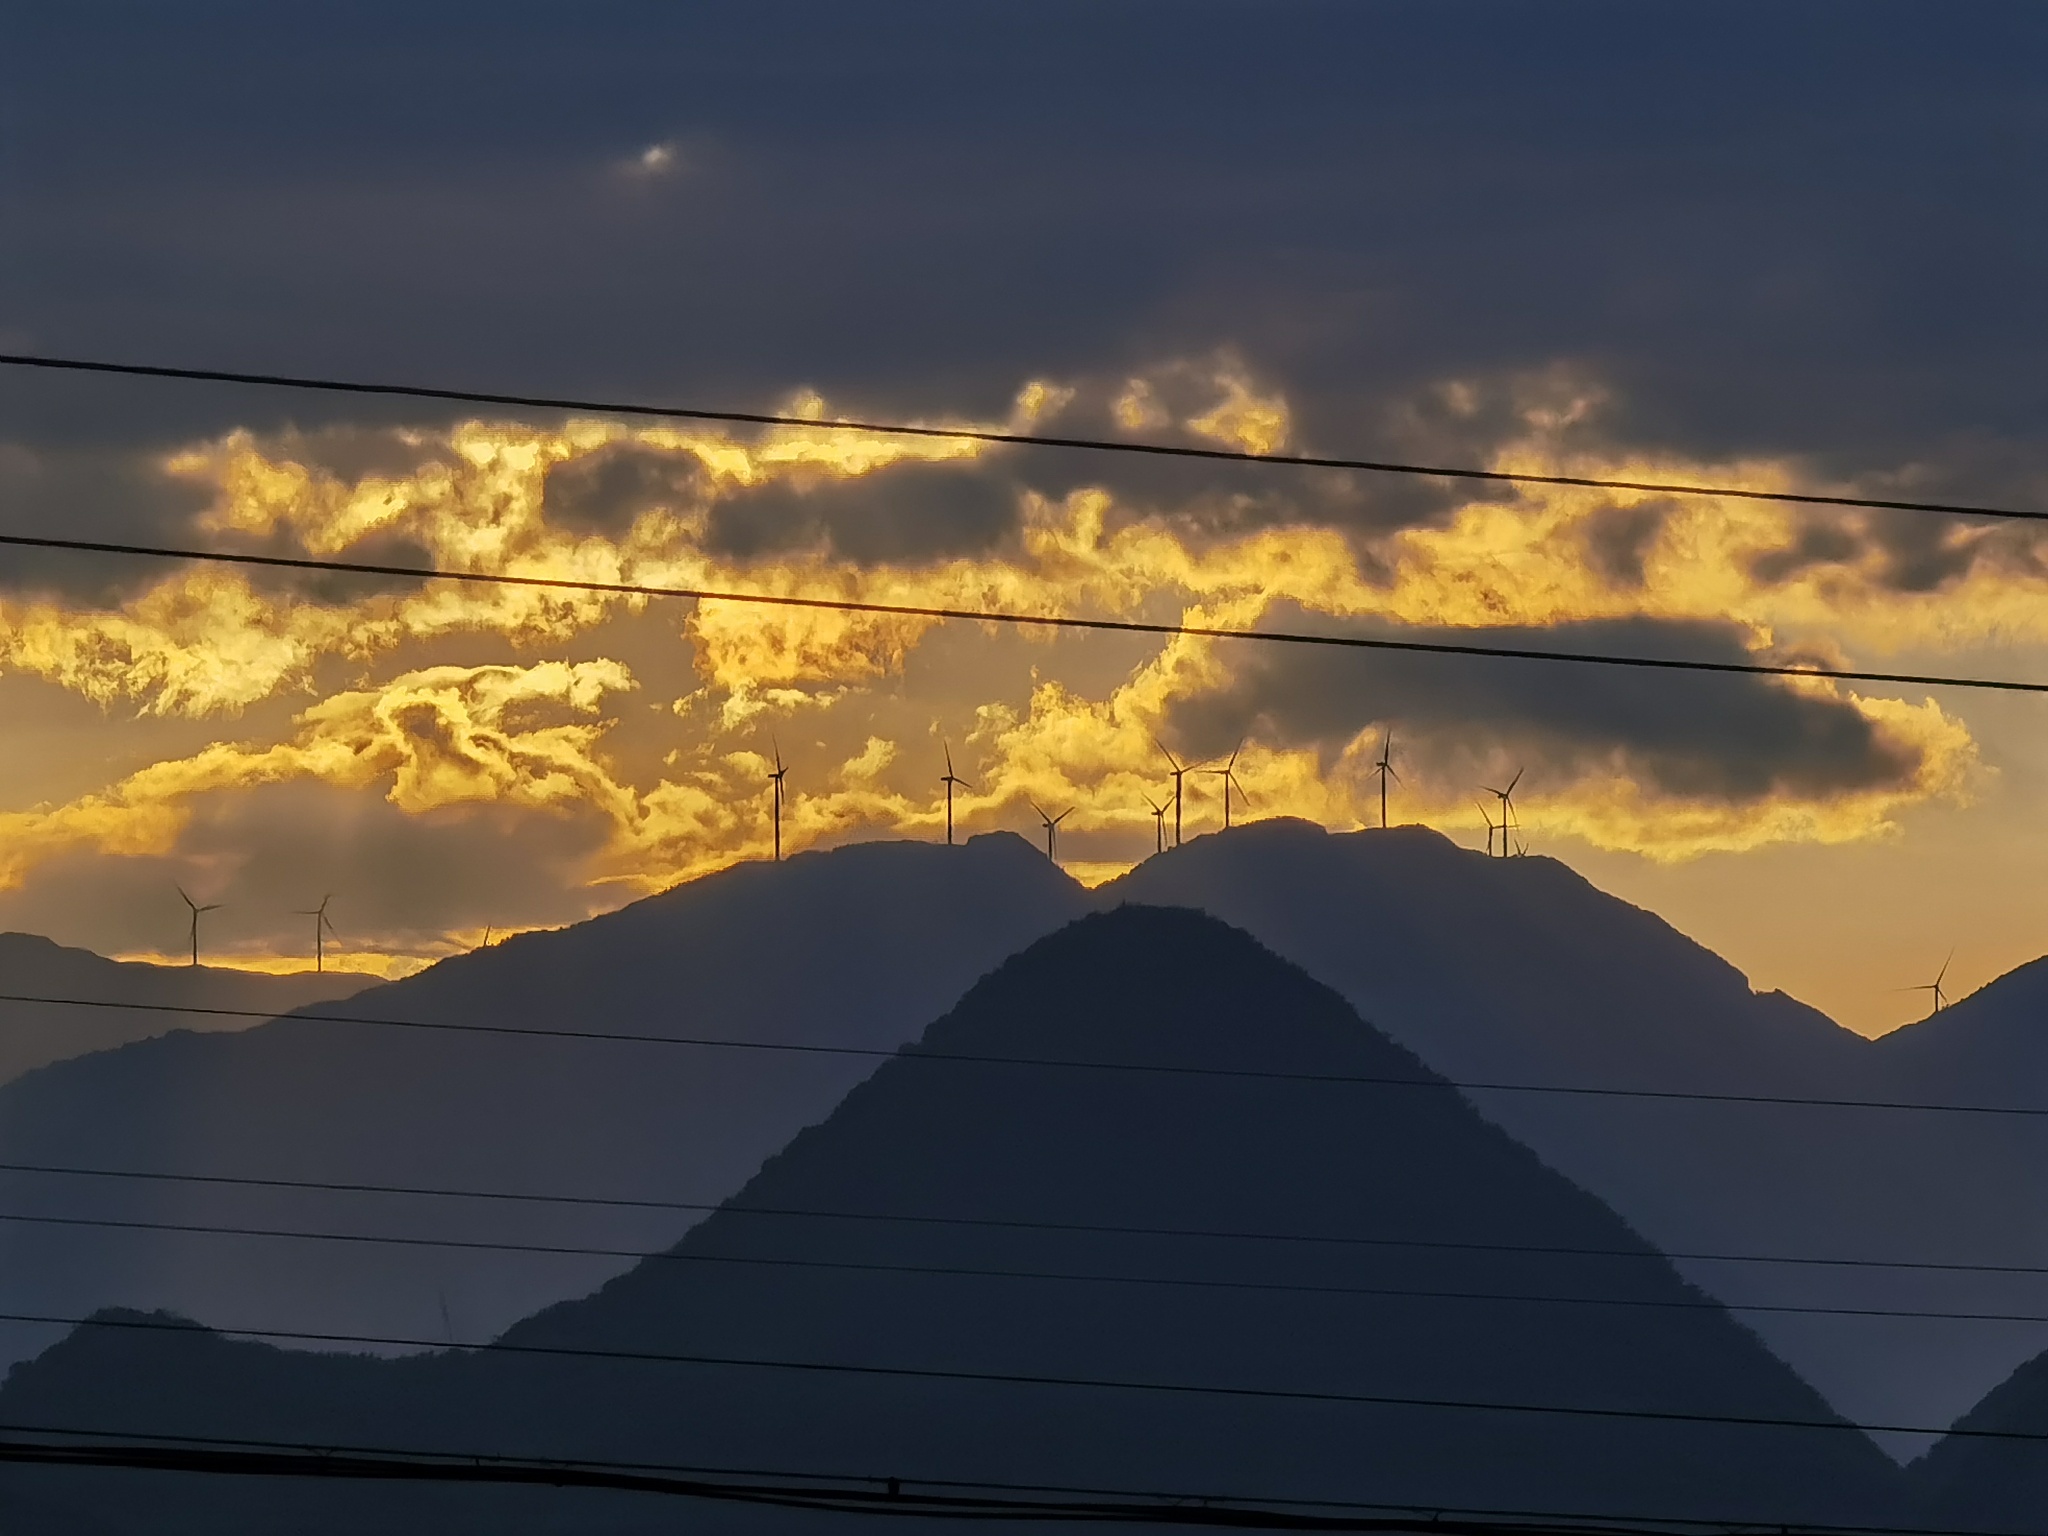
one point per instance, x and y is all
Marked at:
(1776, 246)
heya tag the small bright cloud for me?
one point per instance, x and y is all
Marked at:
(655, 160)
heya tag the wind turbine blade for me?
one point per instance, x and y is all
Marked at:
(1515, 780)
(1233, 757)
(188, 900)
(1168, 755)
(1942, 974)
(1393, 775)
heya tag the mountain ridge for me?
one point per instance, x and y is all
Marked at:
(91, 990)
(963, 1122)
(454, 1108)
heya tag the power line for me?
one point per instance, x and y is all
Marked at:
(1644, 1253)
(904, 1495)
(982, 1272)
(992, 435)
(888, 1498)
(1214, 1390)
(1008, 616)
(913, 1052)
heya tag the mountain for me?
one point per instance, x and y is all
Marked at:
(830, 953)
(34, 1034)
(1092, 1230)
(1518, 971)
(1992, 1473)
(1505, 971)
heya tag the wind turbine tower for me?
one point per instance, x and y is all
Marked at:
(212, 906)
(775, 784)
(322, 927)
(1490, 827)
(1934, 988)
(1180, 772)
(1158, 825)
(1228, 774)
(1507, 810)
(1052, 829)
(1385, 769)
(949, 781)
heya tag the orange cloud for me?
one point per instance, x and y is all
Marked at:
(475, 496)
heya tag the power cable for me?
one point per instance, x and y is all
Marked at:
(1008, 616)
(1213, 1390)
(1645, 1253)
(900, 1495)
(989, 435)
(915, 1053)
(983, 1272)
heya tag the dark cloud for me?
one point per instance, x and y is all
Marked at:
(605, 491)
(101, 493)
(1906, 551)
(1618, 539)
(1706, 736)
(904, 514)
(1770, 233)
(75, 493)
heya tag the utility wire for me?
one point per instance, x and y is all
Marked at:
(894, 1495)
(1615, 1524)
(989, 435)
(915, 1053)
(1645, 1253)
(1008, 616)
(982, 1272)
(1213, 1390)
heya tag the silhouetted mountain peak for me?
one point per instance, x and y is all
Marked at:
(1143, 1151)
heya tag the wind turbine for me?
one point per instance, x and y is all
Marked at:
(1158, 824)
(1228, 774)
(212, 906)
(1052, 828)
(949, 781)
(1385, 769)
(1490, 827)
(775, 783)
(1179, 773)
(1934, 987)
(322, 927)
(1507, 808)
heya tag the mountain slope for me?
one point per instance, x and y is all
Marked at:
(1993, 1476)
(34, 1034)
(1519, 971)
(1141, 1068)
(848, 949)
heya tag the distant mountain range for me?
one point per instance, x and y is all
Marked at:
(1515, 973)
(134, 1001)
(1519, 971)
(853, 950)
(1389, 1301)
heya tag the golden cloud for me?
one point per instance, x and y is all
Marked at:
(473, 497)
